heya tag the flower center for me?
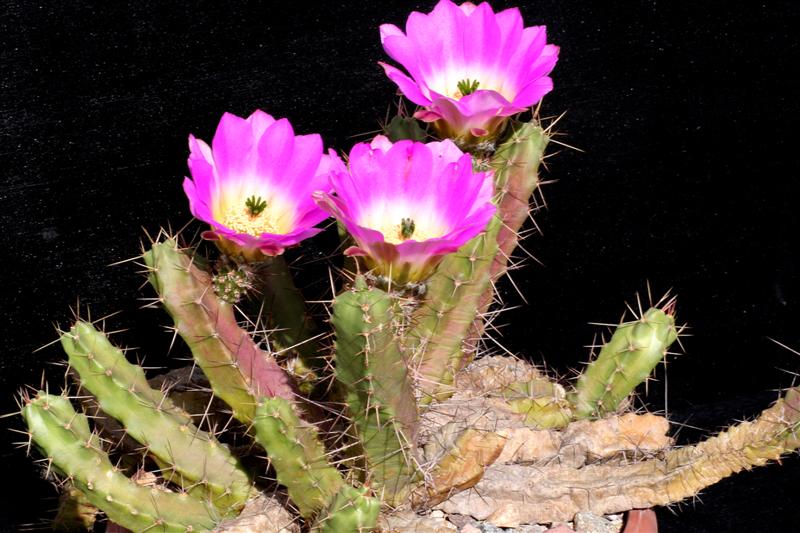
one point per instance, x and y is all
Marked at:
(396, 233)
(253, 218)
(465, 87)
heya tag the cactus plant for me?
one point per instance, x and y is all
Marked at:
(401, 412)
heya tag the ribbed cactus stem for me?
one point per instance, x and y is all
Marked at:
(442, 322)
(60, 433)
(371, 369)
(187, 456)
(293, 328)
(297, 455)
(238, 370)
(624, 362)
(450, 320)
(353, 511)
(516, 167)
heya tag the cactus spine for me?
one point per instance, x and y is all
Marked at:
(624, 362)
(371, 369)
(60, 433)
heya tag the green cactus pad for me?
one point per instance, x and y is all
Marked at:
(297, 456)
(624, 362)
(351, 512)
(238, 370)
(59, 432)
(188, 456)
(372, 371)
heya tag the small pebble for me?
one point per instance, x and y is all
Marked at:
(469, 528)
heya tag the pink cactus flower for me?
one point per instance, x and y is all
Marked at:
(408, 204)
(469, 67)
(254, 185)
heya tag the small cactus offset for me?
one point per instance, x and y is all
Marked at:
(386, 406)
(624, 362)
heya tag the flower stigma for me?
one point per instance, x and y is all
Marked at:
(255, 206)
(399, 232)
(407, 228)
(466, 86)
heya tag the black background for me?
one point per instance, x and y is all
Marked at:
(685, 111)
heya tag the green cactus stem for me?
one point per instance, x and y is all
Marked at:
(624, 362)
(353, 511)
(188, 456)
(436, 341)
(293, 328)
(59, 432)
(297, 455)
(449, 321)
(372, 371)
(516, 165)
(238, 370)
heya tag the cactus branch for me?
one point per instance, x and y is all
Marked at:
(132, 506)
(372, 371)
(188, 456)
(239, 371)
(297, 455)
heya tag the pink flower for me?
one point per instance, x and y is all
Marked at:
(254, 185)
(469, 67)
(408, 204)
